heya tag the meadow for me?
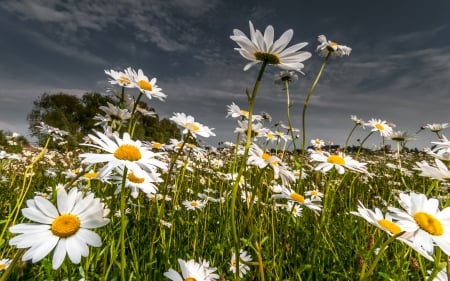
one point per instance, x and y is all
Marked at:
(270, 206)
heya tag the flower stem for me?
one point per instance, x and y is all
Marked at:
(251, 101)
(123, 225)
(305, 105)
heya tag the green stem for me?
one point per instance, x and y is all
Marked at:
(362, 143)
(251, 100)
(123, 225)
(305, 105)
(348, 137)
(288, 112)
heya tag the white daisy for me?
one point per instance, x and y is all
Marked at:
(338, 161)
(435, 127)
(357, 120)
(244, 258)
(65, 228)
(146, 86)
(190, 270)
(4, 264)
(235, 111)
(387, 224)
(259, 48)
(120, 78)
(331, 48)
(293, 208)
(137, 180)
(382, 127)
(283, 192)
(189, 125)
(439, 172)
(317, 143)
(122, 153)
(194, 204)
(422, 217)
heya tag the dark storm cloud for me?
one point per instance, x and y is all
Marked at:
(398, 69)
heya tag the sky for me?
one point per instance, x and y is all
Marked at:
(398, 70)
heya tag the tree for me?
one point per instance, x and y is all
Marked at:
(75, 115)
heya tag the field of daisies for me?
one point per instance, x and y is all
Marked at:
(273, 205)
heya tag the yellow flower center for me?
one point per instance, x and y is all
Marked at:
(91, 175)
(297, 197)
(267, 57)
(314, 193)
(133, 178)
(270, 136)
(124, 80)
(2, 266)
(65, 225)
(192, 126)
(392, 227)
(379, 127)
(265, 156)
(145, 85)
(429, 223)
(244, 112)
(336, 159)
(190, 279)
(156, 145)
(193, 204)
(127, 152)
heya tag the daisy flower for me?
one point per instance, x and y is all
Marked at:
(439, 172)
(65, 228)
(189, 125)
(258, 129)
(317, 143)
(120, 78)
(331, 48)
(285, 76)
(357, 120)
(314, 195)
(235, 111)
(400, 136)
(4, 264)
(190, 270)
(137, 180)
(244, 258)
(388, 225)
(146, 86)
(294, 209)
(338, 161)
(194, 204)
(435, 127)
(283, 192)
(422, 217)
(382, 127)
(122, 152)
(262, 48)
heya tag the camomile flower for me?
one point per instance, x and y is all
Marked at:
(439, 172)
(435, 127)
(190, 271)
(388, 225)
(400, 136)
(314, 195)
(4, 264)
(236, 112)
(262, 48)
(120, 78)
(194, 204)
(137, 180)
(331, 48)
(122, 152)
(285, 76)
(65, 228)
(146, 86)
(382, 127)
(283, 192)
(189, 125)
(358, 121)
(294, 209)
(258, 129)
(317, 143)
(244, 258)
(422, 217)
(338, 161)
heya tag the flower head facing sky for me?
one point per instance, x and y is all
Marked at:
(383, 127)
(122, 152)
(190, 126)
(330, 48)
(65, 228)
(262, 48)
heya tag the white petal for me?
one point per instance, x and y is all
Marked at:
(46, 207)
(73, 249)
(59, 254)
(36, 215)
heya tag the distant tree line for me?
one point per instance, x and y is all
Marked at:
(75, 115)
